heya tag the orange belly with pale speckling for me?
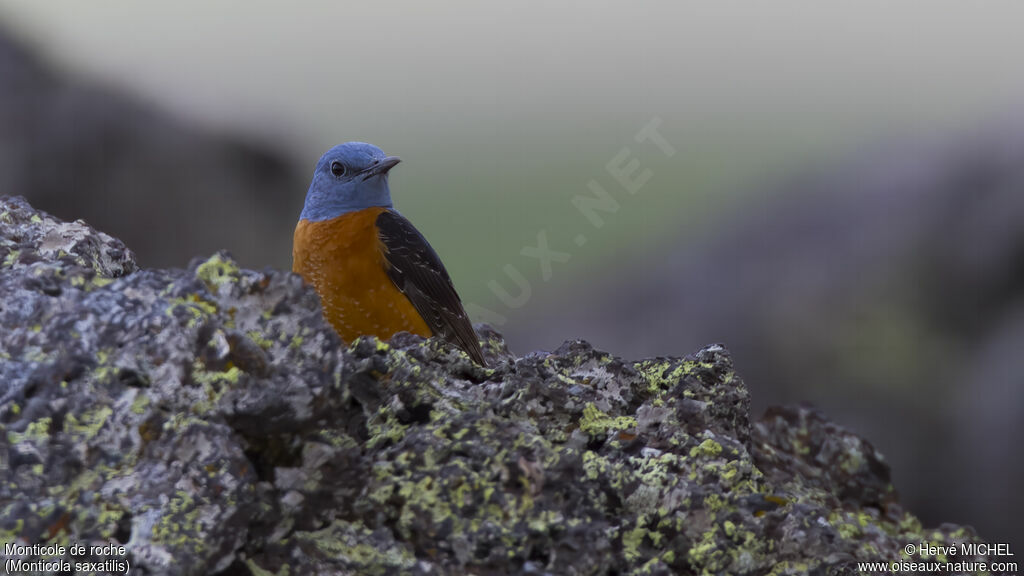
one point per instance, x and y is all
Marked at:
(343, 259)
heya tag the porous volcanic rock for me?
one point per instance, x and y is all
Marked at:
(211, 422)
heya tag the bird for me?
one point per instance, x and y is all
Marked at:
(375, 273)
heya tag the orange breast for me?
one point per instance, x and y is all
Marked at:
(344, 260)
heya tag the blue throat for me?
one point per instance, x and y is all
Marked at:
(332, 201)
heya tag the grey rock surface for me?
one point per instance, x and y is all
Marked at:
(887, 288)
(210, 421)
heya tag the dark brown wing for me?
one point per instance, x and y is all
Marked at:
(417, 271)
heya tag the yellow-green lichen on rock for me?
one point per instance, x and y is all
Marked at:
(213, 422)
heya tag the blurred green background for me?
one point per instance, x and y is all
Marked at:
(503, 113)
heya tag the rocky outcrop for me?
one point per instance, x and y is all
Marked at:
(887, 287)
(210, 422)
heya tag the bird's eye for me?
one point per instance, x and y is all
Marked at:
(337, 168)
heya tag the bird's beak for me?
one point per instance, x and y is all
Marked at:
(381, 167)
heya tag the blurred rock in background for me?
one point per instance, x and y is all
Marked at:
(888, 290)
(79, 151)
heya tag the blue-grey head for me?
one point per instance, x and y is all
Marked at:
(350, 177)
